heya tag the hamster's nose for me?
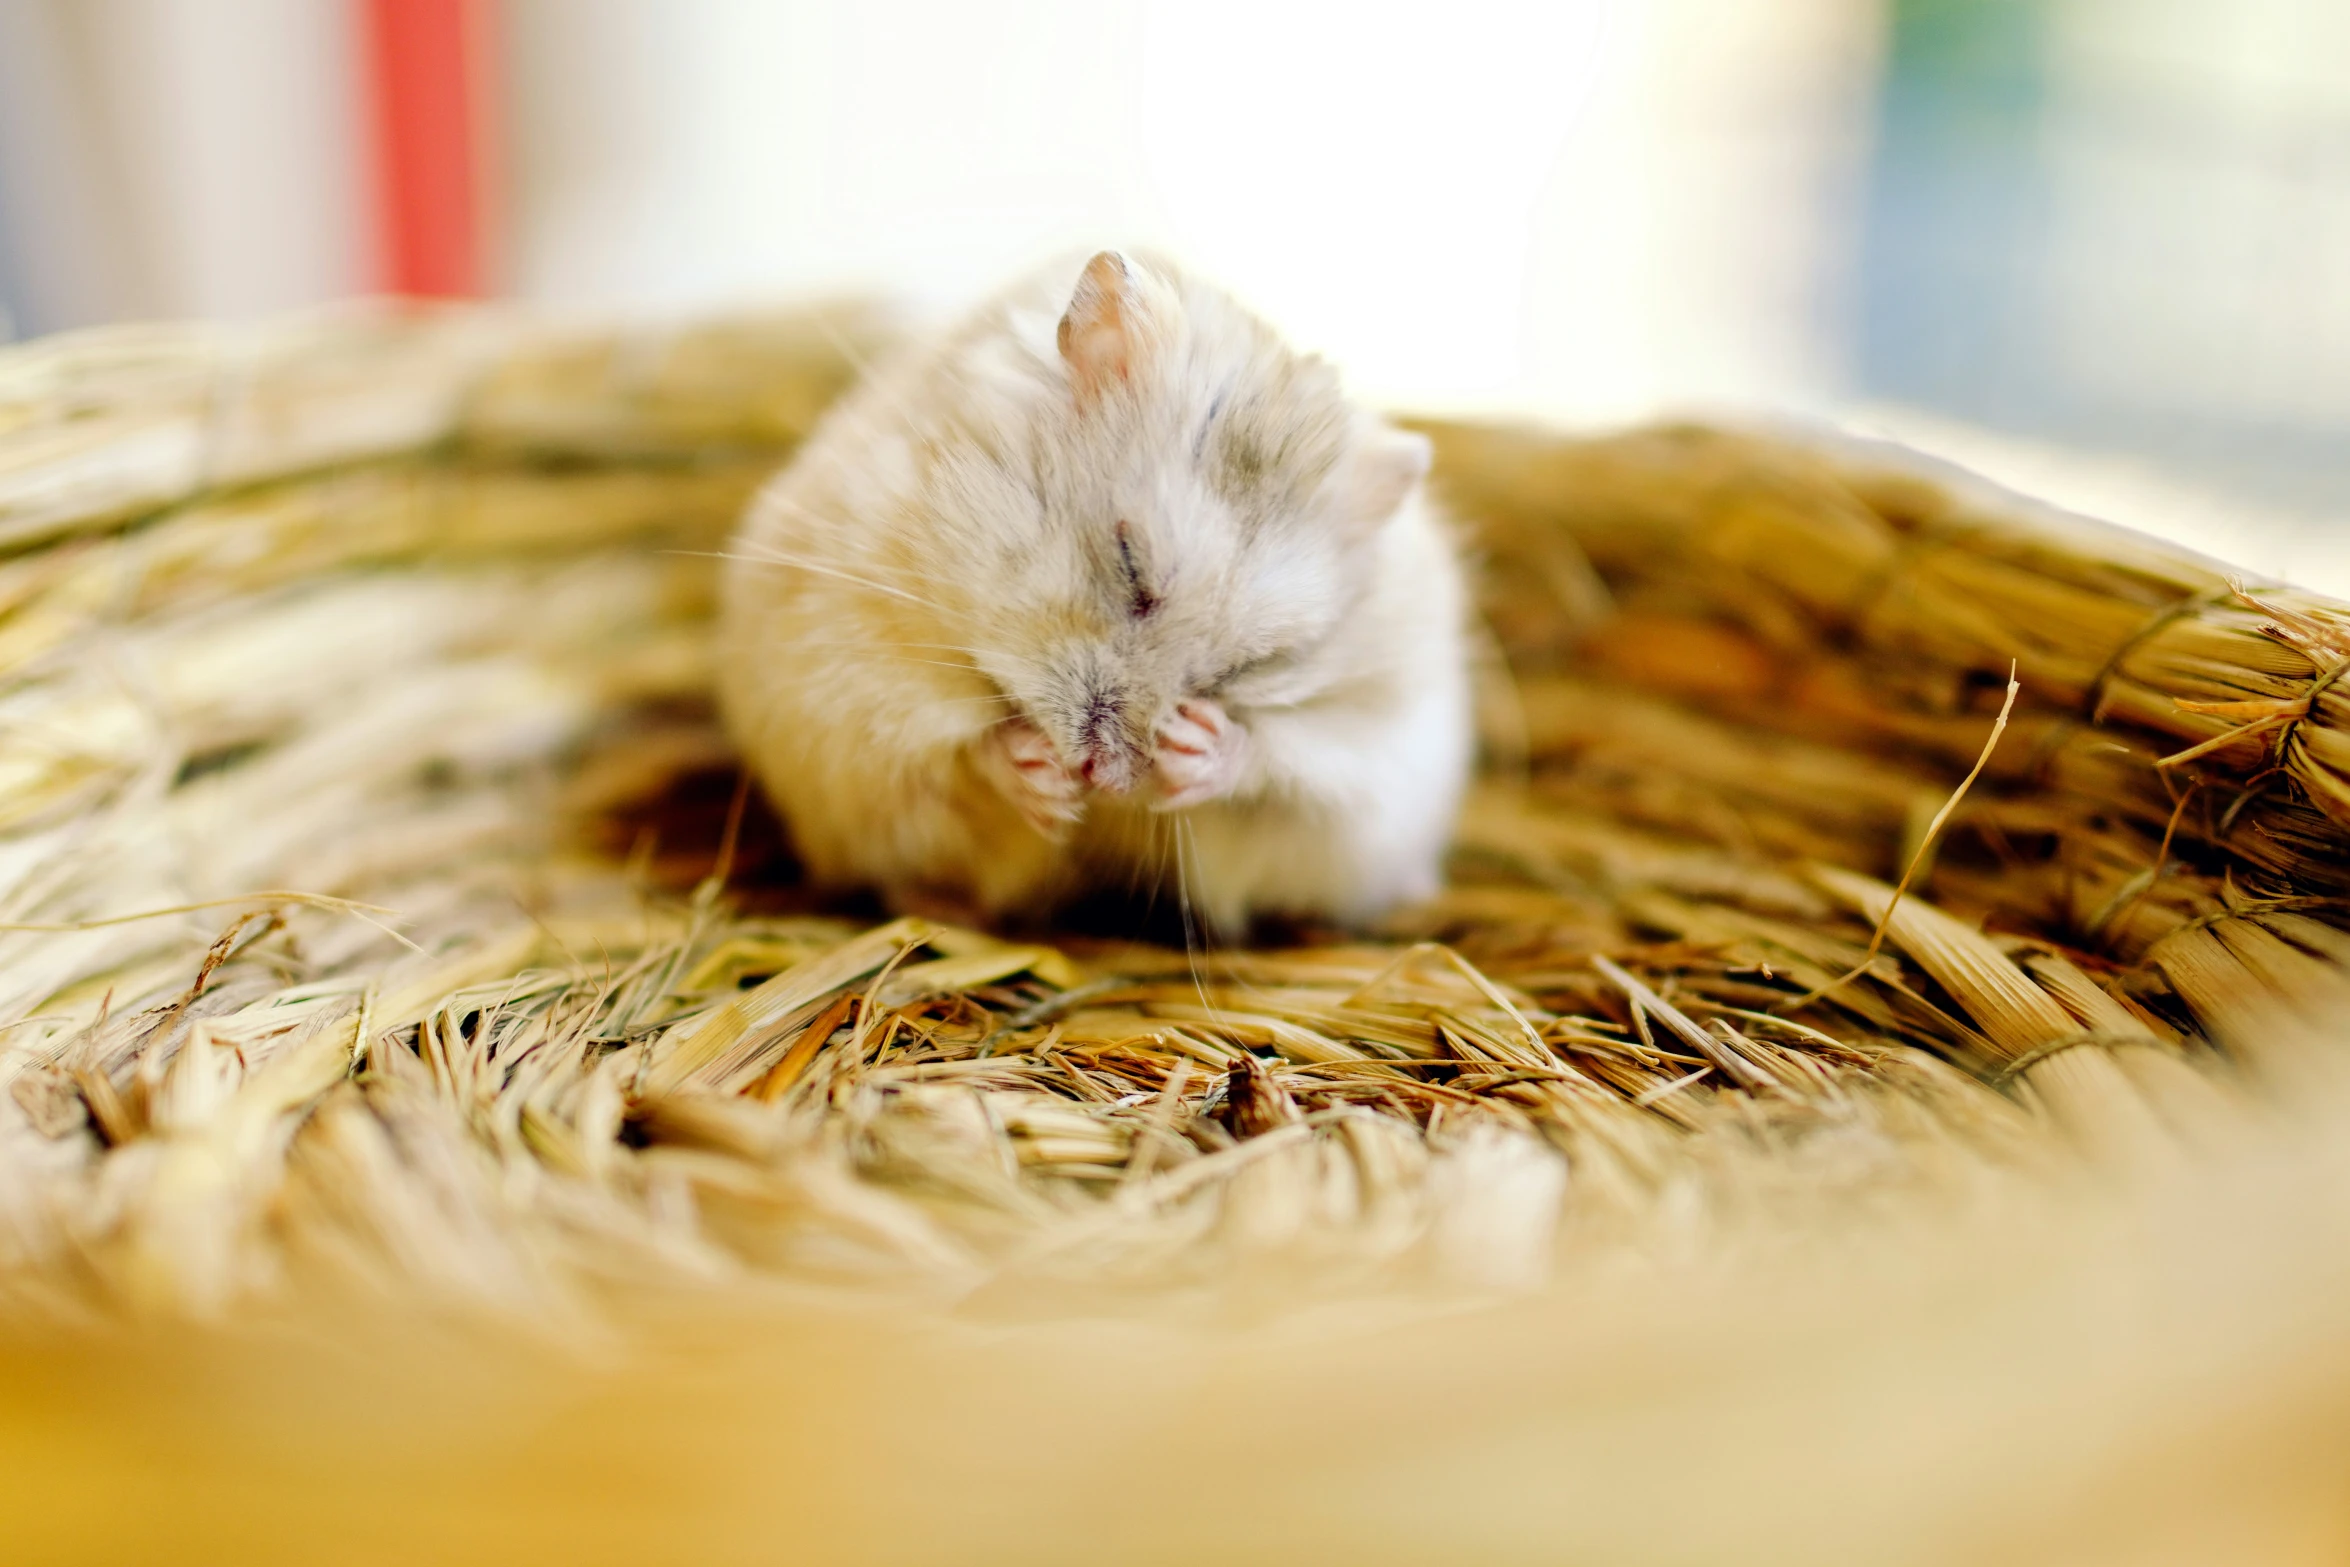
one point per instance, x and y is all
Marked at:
(1107, 757)
(1105, 769)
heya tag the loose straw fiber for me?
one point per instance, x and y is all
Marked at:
(385, 941)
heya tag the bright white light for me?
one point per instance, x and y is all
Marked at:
(1368, 174)
(1584, 207)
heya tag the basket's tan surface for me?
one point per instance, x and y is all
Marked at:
(409, 612)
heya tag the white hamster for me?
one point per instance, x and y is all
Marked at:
(1106, 590)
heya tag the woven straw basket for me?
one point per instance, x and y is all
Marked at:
(388, 939)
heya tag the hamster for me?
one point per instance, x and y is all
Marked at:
(1106, 591)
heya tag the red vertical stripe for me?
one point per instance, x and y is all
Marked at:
(427, 73)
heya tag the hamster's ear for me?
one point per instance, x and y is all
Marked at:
(1100, 334)
(1386, 467)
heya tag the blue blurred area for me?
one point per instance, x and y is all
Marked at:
(1955, 208)
(2121, 226)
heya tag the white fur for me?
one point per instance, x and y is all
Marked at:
(956, 690)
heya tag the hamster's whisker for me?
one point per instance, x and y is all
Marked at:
(1152, 861)
(802, 563)
(781, 503)
(858, 360)
(1195, 934)
(863, 644)
(862, 363)
(934, 663)
(1162, 833)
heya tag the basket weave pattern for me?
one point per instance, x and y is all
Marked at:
(366, 662)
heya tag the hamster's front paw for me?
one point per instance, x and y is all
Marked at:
(1200, 754)
(1026, 766)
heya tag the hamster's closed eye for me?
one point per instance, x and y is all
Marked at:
(1141, 601)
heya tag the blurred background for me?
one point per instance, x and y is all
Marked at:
(2098, 247)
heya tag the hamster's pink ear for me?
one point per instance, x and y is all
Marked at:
(1100, 335)
(1385, 469)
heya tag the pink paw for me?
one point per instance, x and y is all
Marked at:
(1200, 754)
(1027, 767)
